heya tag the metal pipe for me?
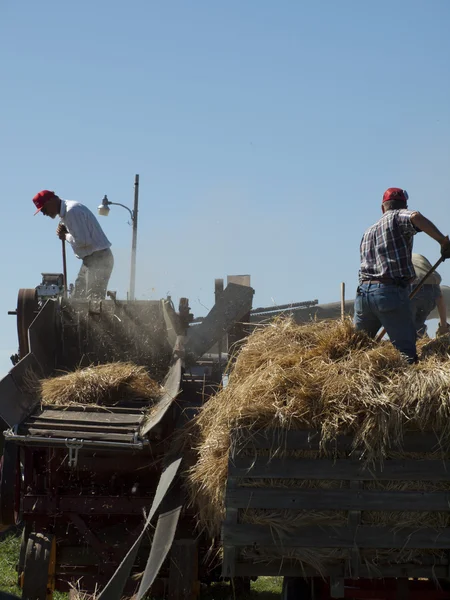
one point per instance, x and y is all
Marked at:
(122, 205)
(280, 307)
(134, 240)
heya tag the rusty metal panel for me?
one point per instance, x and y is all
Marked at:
(14, 404)
(42, 338)
(234, 302)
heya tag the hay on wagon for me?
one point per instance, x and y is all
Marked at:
(328, 377)
(99, 385)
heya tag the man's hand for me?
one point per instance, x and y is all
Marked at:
(445, 248)
(61, 232)
(442, 329)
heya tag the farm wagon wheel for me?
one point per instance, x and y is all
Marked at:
(39, 568)
(23, 551)
(296, 588)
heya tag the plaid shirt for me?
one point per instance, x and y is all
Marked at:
(386, 248)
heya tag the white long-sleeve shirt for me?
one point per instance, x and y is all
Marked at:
(85, 234)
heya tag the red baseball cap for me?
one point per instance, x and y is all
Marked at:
(395, 194)
(41, 198)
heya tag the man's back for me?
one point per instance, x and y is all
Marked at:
(85, 234)
(386, 248)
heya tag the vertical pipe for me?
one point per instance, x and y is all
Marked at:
(134, 240)
(342, 300)
(218, 289)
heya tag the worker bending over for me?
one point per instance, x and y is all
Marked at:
(80, 228)
(428, 297)
(386, 272)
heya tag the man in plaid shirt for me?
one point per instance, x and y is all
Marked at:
(382, 298)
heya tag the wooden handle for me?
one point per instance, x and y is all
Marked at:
(64, 267)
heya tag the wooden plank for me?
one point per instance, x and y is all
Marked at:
(83, 416)
(313, 468)
(289, 569)
(342, 499)
(274, 439)
(336, 537)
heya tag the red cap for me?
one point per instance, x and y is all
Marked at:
(395, 194)
(41, 198)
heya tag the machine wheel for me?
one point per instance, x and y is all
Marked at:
(10, 480)
(27, 307)
(295, 588)
(39, 569)
(22, 554)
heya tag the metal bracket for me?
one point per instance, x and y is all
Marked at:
(74, 446)
(95, 306)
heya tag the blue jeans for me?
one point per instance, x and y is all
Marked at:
(381, 305)
(422, 304)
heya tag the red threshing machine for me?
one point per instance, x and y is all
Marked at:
(82, 480)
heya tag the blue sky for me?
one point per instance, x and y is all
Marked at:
(264, 134)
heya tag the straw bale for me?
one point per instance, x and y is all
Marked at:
(325, 376)
(100, 385)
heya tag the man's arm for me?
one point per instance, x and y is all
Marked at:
(429, 228)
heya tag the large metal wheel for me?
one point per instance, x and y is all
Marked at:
(39, 569)
(296, 588)
(27, 308)
(10, 482)
(23, 552)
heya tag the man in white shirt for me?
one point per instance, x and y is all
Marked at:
(79, 227)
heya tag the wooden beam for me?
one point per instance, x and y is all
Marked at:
(337, 537)
(281, 440)
(307, 468)
(340, 499)
(275, 568)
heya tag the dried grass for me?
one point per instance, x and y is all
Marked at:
(324, 376)
(100, 385)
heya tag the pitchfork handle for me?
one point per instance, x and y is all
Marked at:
(64, 266)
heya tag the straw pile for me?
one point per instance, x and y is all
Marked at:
(329, 377)
(100, 385)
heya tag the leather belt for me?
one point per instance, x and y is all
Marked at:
(386, 281)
